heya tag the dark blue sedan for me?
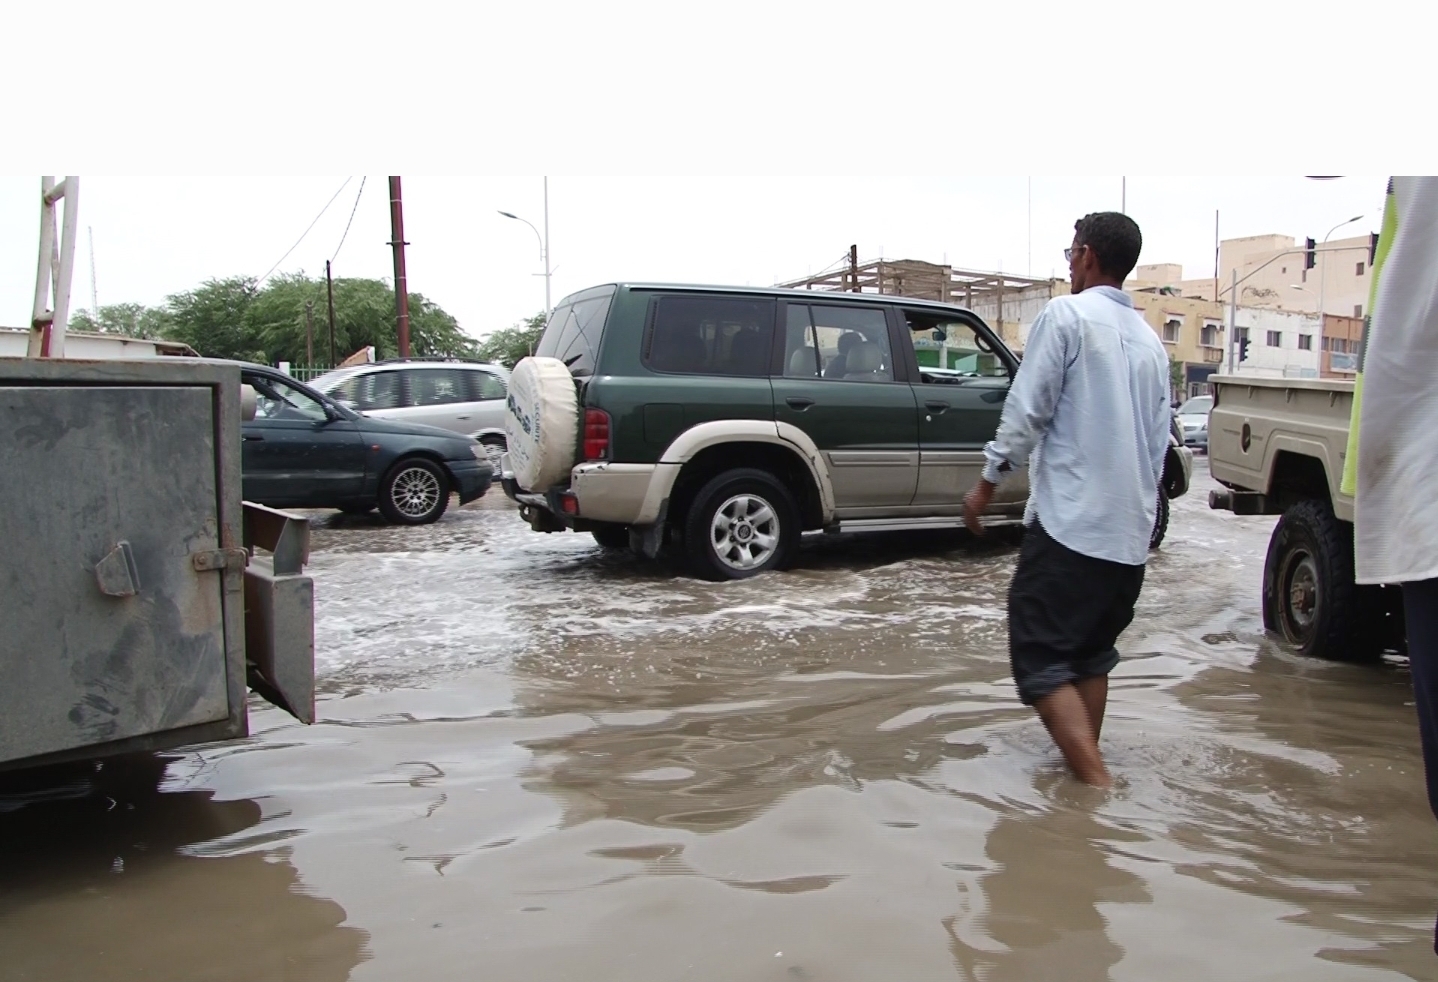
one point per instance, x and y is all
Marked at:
(304, 450)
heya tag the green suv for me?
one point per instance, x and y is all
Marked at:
(725, 422)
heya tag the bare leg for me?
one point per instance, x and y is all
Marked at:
(1067, 721)
(1094, 692)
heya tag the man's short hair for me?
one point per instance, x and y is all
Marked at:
(1114, 239)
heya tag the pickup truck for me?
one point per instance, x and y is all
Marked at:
(1277, 445)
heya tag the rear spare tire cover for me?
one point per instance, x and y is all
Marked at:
(541, 423)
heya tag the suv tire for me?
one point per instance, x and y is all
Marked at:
(414, 492)
(743, 522)
(1309, 597)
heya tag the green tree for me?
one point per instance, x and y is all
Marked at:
(508, 345)
(214, 319)
(364, 316)
(130, 319)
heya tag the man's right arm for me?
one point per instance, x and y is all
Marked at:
(1032, 398)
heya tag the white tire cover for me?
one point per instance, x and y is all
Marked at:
(541, 423)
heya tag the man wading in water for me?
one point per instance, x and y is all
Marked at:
(1089, 413)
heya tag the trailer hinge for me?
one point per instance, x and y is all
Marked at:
(211, 559)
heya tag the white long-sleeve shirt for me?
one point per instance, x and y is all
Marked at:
(1089, 413)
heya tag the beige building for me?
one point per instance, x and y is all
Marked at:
(1340, 275)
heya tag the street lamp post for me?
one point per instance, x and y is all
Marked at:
(543, 243)
(1323, 273)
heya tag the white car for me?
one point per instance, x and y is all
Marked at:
(463, 396)
(1193, 419)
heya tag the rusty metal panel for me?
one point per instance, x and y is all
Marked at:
(112, 629)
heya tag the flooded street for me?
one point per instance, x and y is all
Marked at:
(539, 761)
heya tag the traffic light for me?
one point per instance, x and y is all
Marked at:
(1308, 258)
(1372, 248)
(1243, 348)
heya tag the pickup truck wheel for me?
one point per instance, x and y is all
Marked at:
(742, 523)
(611, 536)
(1160, 522)
(414, 492)
(1309, 597)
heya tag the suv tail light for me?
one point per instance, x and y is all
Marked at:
(596, 434)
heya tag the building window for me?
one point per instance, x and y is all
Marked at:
(1304, 277)
(1283, 269)
(1275, 339)
(1360, 269)
(1170, 331)
(1209, 336)
(1305, 342)
(1358, 310)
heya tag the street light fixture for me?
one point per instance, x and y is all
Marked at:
(543, 243)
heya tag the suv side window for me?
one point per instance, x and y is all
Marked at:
(936, 335)
(370, 390)
(844, 343)
(437, 386)
(710, 335)
(487, 386)
(575, 329)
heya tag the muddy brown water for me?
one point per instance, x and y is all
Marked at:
(537, 761)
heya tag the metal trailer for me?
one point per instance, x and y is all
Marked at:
(137, 602)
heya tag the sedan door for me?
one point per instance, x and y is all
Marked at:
(297, 452)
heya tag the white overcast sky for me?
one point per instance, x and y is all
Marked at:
(677, 112)
(153, 237)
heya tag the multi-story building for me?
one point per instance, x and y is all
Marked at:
(1341, 338)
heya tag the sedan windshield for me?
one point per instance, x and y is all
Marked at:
(1199, 406)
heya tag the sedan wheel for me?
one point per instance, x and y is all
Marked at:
(416, 492)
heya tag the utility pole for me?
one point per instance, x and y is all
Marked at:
(94, 292)
(853, 269)
(1215, 255)
(330, 289)
(401, 283)
(54, 269)
(310, 333)
(548, 308)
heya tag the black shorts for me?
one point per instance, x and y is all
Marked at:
(1066, 610)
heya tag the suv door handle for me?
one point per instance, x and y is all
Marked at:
(799, 403)
(251, 438)
(936, 406)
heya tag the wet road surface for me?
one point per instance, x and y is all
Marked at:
(539, 761)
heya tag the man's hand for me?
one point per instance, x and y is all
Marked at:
(976, 502)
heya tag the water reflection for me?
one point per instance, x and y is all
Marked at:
(95, 884)
(1038, 917)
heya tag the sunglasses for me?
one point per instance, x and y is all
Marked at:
(1072, 251)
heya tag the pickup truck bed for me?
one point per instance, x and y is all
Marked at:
(1277, 445)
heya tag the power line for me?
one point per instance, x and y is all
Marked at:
(350, 222)
(306, 232)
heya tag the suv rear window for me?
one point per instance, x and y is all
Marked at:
(575, 329)
(697, 335)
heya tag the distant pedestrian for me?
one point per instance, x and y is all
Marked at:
(1089, 414)
(1392, 460)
